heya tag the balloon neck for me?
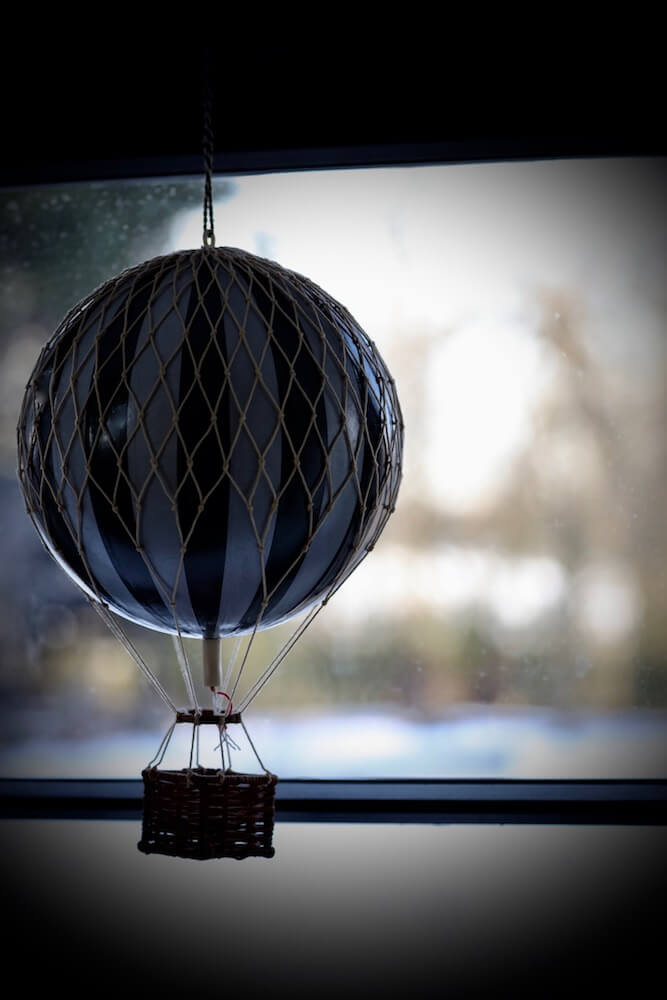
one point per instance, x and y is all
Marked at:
(212, 663)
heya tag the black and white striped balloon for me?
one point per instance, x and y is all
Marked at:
(209, 442)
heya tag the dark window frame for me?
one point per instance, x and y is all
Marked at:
(16, 171)
(408, 800)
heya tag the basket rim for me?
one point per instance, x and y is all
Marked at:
(208, 773)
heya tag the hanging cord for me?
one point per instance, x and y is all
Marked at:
(184, 664)
(226, 742)
(254, 749)
(208, 238)
(277, 660)
(130, 648)
(162, 749)
(195, 741)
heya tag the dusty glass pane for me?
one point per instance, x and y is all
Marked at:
(512, 620)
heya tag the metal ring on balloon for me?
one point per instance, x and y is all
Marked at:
(209, 444)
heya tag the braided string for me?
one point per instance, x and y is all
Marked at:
(208, 237)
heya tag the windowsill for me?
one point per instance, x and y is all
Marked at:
(379, 800)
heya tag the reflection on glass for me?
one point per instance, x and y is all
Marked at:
(512, 621)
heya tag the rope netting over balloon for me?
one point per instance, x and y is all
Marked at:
(209, 445)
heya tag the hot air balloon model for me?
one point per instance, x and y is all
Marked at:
(209, 444)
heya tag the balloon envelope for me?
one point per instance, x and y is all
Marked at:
(209, 442)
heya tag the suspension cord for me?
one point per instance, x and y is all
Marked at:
(130, 648)
(184, 664)
(162, 749)
(261, 763)
(208, 238)
(277, 660)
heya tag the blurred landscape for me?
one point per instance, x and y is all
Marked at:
(512, 620)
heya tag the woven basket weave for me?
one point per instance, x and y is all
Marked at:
(207, 813)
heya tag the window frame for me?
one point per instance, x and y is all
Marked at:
(479, 149)
(382, 800)
(379, 800)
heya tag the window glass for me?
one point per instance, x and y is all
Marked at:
(512, 619)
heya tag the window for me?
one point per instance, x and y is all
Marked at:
(512, 621)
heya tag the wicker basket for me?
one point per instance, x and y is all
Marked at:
(207, 813)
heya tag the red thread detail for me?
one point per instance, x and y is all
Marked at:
(225, 695)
